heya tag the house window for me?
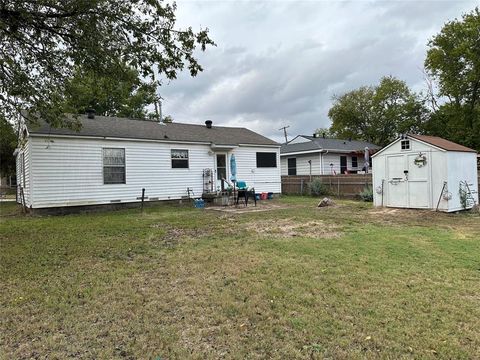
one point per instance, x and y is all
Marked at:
(405, 144)
(113, 166)
(354, 162)
(179, 159)
(292, 166)
(266, 159)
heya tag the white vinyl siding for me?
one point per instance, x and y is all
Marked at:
(23, 169)
(334, 158)
(303, 166)
(263, 179)
(317, 159)
(69, 171)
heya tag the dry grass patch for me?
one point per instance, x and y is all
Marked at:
(291, 228)
(182, 283)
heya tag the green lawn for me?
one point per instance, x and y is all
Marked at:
(294, 282)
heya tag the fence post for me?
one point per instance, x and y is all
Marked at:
(143, 197)
(338, 186)
(301, 187)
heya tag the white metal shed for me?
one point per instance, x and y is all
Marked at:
(425, 172)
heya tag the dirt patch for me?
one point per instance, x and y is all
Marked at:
(251, 208)
(290, 228)
(173, 235)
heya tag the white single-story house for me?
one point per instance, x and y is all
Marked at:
(110, 160)
(425, 172)
(319, 155)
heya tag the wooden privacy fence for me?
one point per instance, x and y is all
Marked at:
(340, 185)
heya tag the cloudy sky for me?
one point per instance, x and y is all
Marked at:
(279, 63)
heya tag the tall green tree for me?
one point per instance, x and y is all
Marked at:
(378, 114)
(125, 96)
(453, 63)
(42, 42)
(327, 132)
(8, 142)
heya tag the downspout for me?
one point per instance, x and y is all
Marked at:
(321, 160)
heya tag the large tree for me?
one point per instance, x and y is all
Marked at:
(42, 42)
(124, 96)
(378, 113)
(8, 142)
(453, 63)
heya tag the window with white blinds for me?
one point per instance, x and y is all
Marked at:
(113, 166)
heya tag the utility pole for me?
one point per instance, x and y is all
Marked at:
(158, 101)
(285, 132)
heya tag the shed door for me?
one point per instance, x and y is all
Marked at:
(396, 184)
(418, 185)
(407, 184)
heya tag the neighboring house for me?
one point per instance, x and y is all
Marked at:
(323, 156)
(426, 172)
(111, 159)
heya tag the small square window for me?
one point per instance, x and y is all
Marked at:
(179, 159)
(405, 144)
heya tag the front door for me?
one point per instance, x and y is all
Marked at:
(221, 169)
(343, 164)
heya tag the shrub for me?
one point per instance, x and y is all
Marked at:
(367, 194)
(317, 188)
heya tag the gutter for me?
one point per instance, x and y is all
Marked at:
(98, 137)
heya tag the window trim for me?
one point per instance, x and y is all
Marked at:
(124, 166)
(266, 167)
(293, 168)
(407, 142)
(187, 159)
(356, 162)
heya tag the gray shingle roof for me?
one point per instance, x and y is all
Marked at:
(327, 144)
(151, 130)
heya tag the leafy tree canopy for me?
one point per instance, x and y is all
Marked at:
(168, 119)
(125, 96)
(42, 42)
(378, 114)
(453, 62)
(8, 142)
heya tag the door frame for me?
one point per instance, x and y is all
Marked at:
(288, 165)
(407, 181)
(346, 164)
(218, 182)
(388, 178)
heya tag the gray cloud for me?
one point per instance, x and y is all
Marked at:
(280, 63)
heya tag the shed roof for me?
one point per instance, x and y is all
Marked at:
(441, 143)
(103, 126)
(327, 144)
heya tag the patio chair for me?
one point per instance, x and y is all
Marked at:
(244, 192)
